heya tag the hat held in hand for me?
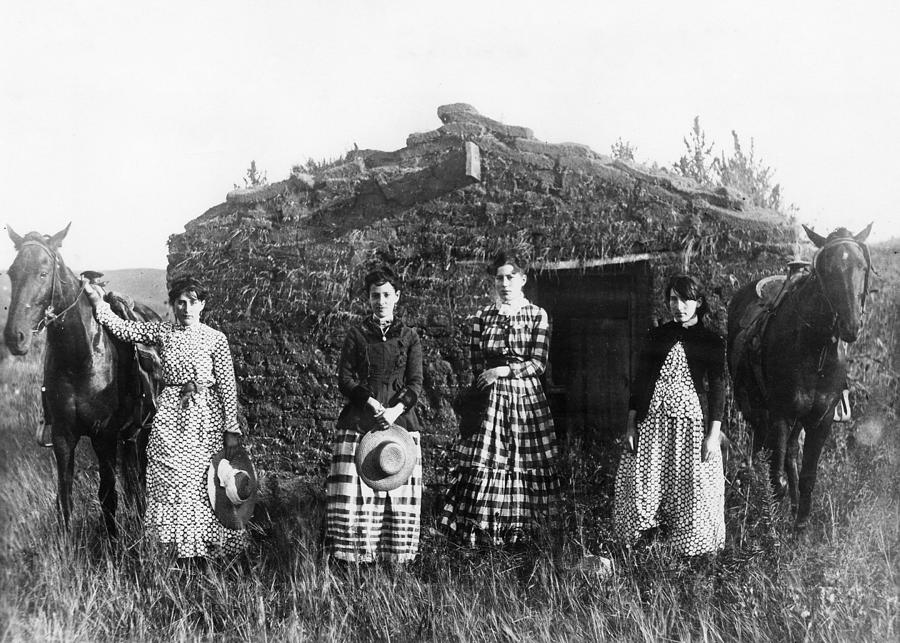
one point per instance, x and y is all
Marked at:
(385, 457)
(231, 486)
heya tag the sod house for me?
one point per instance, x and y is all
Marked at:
(284, 262)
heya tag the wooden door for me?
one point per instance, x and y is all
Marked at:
(597, 318)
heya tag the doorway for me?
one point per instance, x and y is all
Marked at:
(598, 316)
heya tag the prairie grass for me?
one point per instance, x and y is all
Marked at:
(837, 581)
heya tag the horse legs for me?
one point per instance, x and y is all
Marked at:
(105, 448)
(64, 443)
(817, 432)
(134, 470)
(779, 429)
(792, 454)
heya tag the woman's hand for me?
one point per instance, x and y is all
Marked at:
(94, 294)
(712, 443)
(375, 406)
(631, 433)
(491, 375)
(391, 413)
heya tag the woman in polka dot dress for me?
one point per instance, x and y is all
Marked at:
(196, 416)
(670, 474)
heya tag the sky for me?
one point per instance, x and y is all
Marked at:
(130, 120)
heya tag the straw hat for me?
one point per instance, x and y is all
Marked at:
(231, 486)
(385, 457)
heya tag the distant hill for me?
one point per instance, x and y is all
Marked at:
(146, 285)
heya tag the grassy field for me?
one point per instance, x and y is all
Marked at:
(838, 581)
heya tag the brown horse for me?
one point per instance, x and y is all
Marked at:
(799, 374)
(88, 375)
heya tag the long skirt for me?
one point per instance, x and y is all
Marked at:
(363, 525)
(667, 484)
(182, 442)
(505, 481)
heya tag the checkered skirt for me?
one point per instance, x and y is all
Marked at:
(505, 480)
(363, 525)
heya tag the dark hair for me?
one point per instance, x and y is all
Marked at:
(379, 276)
(687, 287)
(187, 284)
(508, 258)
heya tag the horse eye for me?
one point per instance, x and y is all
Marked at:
(43, 275)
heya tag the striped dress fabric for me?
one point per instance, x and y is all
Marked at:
(364, 525)
(505, 481)
(666, 482)
(183, 439)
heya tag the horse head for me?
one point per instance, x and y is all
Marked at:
(37, 275)
(842, 266)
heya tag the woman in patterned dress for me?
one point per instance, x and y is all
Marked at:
(670, 474)
(380, 373)
(197, 414)
(505, 481)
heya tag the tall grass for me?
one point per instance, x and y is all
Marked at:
(836, 582)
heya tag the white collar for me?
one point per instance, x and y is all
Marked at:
(512, 307)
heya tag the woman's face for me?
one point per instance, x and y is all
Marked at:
(187, 308)
(683, 310)
(509, 283)
(382, 300)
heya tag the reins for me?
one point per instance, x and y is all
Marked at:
(50, 316)
(823, 355)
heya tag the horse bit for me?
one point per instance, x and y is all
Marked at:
(50, 316)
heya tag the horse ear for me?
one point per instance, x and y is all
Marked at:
(56, 239)
(862, 236)
(16, 239)
(817, 239)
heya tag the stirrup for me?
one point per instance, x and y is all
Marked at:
(44, 435)
(842, 411)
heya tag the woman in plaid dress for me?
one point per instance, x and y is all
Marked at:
(380, 372)
(505, 480)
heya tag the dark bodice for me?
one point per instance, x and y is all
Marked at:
(386, 366)
(705, 352)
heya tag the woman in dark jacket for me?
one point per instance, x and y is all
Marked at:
(671, 471)
(380, 372)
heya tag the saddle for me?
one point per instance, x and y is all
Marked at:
(770, 293)
(148, 366)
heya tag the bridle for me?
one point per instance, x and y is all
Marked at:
(56, 281)
(815, 271)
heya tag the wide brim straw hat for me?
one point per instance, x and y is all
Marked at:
(385, 458)
(231, 487)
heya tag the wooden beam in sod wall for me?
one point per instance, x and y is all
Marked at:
(598, 316)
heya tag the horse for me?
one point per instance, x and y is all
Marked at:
(793, 377)
(89, 376)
